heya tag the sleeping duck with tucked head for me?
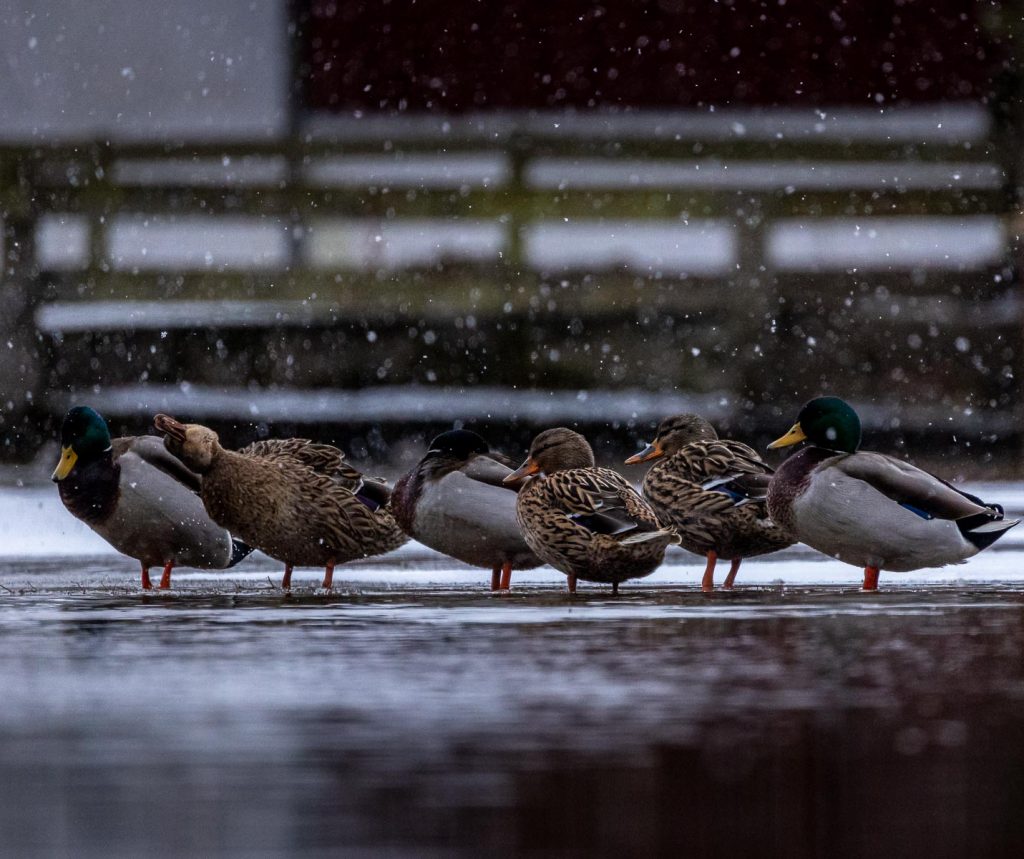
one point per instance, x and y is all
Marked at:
(869, 509)
(140, 498)
(455, 502)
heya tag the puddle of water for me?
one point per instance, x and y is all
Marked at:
(237, 721)
(413, 712)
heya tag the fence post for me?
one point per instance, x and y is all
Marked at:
(20, 291)
(751, 328)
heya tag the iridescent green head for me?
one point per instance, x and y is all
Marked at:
(84, 437)
(827, 422)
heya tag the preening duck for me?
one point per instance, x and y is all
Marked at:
(276, 497)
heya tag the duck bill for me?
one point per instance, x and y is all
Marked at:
(169, 426)
(794, 436)
(652, 451)
(68, 458)
(525, 470)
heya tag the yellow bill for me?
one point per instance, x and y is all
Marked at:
(794, 436)
(68, 458)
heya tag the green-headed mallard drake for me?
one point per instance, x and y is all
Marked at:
(587, 522)
(455, 501)
(140, 498)
(711, 491)
(869, 509)
(274, 499)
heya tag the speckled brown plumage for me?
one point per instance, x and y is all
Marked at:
(325, 459)
(714, 519)
(712, 492)
(587, 522)
(279, 504)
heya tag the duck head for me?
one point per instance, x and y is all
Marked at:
(194, 444)
(673, 435)
(826, 422)
(84, 437)
(554, 450)
(458, 444)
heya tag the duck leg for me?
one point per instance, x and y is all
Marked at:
(328, 576)
(506, 576)
(734, 568)
(147, 585)
(495, 578)
(615, 589)
(870, 579)
(572, 584)
(286, 582)
(708, 582)
(165, 579)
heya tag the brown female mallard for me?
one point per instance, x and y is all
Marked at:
(587, 522)
(712, 492)
(454, 501)
(139, 498)
(278, 500)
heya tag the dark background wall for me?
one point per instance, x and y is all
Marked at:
(463, 55)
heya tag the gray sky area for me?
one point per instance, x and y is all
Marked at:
(136, 70)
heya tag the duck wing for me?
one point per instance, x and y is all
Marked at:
(708, 459)
(601, 501)
(151, 450)
(349, 522)
(912, 487)
(324, 459)
(706, 478)
(485, 469)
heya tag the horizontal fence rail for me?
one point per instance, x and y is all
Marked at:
(372, 268)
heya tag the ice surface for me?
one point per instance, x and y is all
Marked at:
(34, 524)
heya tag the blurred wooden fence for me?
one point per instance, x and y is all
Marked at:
(522, 270)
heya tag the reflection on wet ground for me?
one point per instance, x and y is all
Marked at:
(796, 721)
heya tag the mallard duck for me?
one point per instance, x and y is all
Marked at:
(869, 509)
(711, 491)
(139, 498)
(273, 498)
(455, 501)
(587, 522)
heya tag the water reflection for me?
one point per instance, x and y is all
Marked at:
(797, 722)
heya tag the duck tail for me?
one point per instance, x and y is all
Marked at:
(239, 550)
(644, 536)
(983, 529)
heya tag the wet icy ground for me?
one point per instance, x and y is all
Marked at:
(413, 710)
